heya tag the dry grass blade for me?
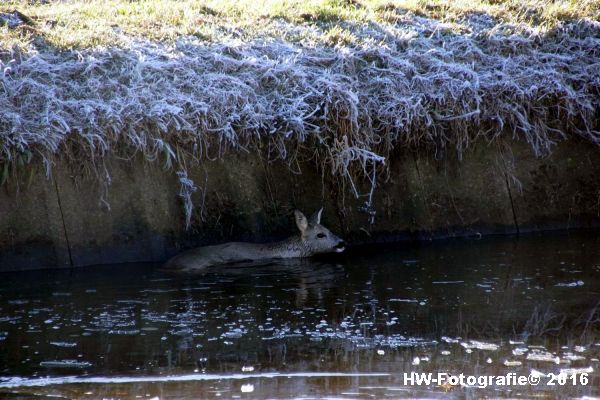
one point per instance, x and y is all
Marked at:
(348, 106)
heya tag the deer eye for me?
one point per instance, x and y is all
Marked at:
(320, 235)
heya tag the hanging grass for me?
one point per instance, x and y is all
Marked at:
(405, 81)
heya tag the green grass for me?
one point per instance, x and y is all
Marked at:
(340, 83)
(85, 24)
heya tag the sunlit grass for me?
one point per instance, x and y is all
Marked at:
(343, 83)
(81, 23)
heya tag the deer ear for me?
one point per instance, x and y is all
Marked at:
(316, 217)
(301, 221)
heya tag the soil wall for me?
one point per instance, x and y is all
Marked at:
(72, 220)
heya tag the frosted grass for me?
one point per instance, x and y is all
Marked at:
(415, 84)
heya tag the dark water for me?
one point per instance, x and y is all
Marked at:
(346, 327)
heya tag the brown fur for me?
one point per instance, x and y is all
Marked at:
(313, 239)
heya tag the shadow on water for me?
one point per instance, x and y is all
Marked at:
(348, 326)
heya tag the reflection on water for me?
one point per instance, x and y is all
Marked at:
(348, 326)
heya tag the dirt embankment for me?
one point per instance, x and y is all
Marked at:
(71, 220)
(427, 129)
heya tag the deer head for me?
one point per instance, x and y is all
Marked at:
(315, 237)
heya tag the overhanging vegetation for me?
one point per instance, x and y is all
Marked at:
(340, 83)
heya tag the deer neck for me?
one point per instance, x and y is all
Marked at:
(290, 247)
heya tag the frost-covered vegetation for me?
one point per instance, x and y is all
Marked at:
(342, 83)
(88, 23)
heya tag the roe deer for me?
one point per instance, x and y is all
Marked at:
(313, 239)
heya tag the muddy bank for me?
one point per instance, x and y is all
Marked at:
(73, 220)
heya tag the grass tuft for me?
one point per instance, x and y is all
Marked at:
(340, 82)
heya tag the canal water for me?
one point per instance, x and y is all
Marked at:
(355, 325)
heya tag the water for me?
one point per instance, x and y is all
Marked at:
(347, 326)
